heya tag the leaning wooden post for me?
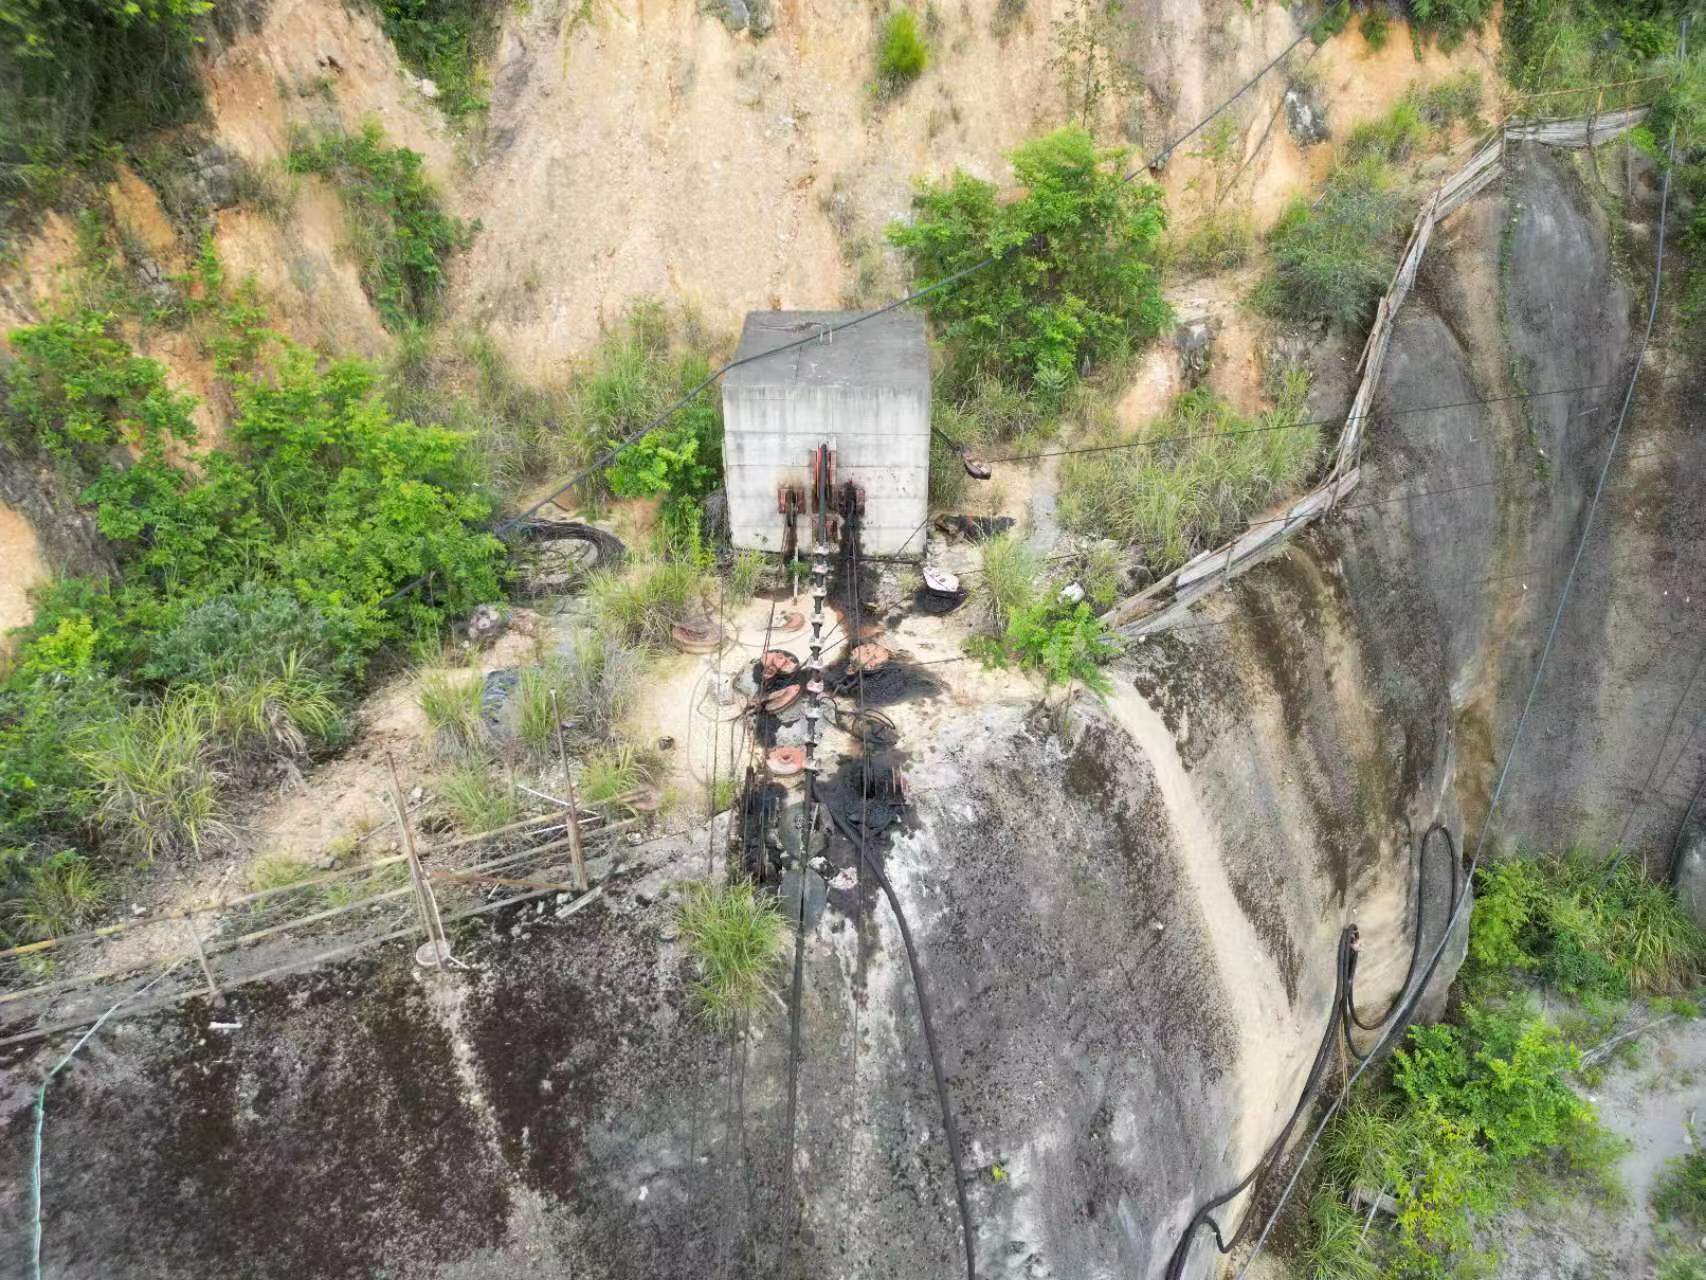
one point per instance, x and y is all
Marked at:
(214, 994)
(426, 910)
(576, 850)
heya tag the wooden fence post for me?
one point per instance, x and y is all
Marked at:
(577, 850)
(426, 909)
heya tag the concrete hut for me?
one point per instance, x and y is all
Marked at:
(865, 392)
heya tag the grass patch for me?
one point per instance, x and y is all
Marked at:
(1449, 21)
(153, 775)
(398, 231)
(1681, 1191)
(1223, 240)
(1393, 137)
(450, 700)
(60, 895)
(613, 772)
(1333, 259)
(745, 574)
(477, 799)
(445, 41)
(902, 53)
(1011, 580)
(639, 604)
(1376, 27)
(278, 871)
(738, 940)
(1173, 500)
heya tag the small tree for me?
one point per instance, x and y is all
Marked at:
(1075, 281)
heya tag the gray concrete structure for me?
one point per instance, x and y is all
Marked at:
(864, 391)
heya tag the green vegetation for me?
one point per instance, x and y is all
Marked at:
(1449, 21)
(1011, 578)
(444, 41)
(398, 231)
(1075, 284)
(613, 772)
(450, 700)
(1478, 1112)
(59, 895)
(1393, 137)
(1027, 621)
(1174, 499)
(902, 53)
(639, 604)
(1221, 241)
(1376, 27)
(79, 79)
(254, 588)
(479, 800)
(1333, 259)
(1681, 1192)
(737, 938)
(1585, 925)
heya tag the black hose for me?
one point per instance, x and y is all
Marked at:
(1341, 1019)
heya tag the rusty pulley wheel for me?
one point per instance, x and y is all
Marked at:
(778, 662)
(789, 622)
(782, 698)
(867, 657)
(786, 761)
(698, 636)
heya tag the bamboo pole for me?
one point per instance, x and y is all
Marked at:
(576, 851)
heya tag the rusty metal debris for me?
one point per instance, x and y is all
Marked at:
(778, 662)
(697, 635)
(782, 698)
(786, 761)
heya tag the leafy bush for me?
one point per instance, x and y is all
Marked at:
(398, 230)
(444, 41)
(737, 939)
(1221, 241)
(254, 627)
(902, 53)
(1063, 642)
(1585, 925)
(79, 78)
(1681, 1191)
(1075, 282)
(1333, 260)
(1177, 498)
(1376, 26)
(1448, 21)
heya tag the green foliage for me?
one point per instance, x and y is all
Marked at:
(1333, 259)
(1221, 241)
(258, 713)
(1681, 1262)
(1065, 643)
(1392, 137)
(154, 779)
(1454, 100)
(639, 604)
(1174, 499)
(597, 679)
(444, 41)
(1681, 1191)
(1376, 27)
(902, 53)
(737, 939)
(1011, 578)
(1332, 21)
(58, 895)
(743, 578)
(1075, 282)
(278, 871)
(479, 800)
(611, 773)
(1585, 925)
(450, 701)
(1449, 21)
(80, 78)
(398, 230)
(1334, 1250)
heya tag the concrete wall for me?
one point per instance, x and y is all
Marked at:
(866, 394)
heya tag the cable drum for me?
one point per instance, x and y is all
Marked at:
(555, 556)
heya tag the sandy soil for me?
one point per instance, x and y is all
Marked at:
(20, 552)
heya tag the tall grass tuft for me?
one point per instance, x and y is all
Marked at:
(281, 713)
(60, 894)
(599, 681)
(738, 940)
(611, 773)
(478, 799)
(640, 604)
(451, 702)
(1010, 582)
(1176, 499)
(158, 791)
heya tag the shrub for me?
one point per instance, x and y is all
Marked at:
(1010, 580)
(1221, 241)
(1075, 281)
(1177, 498)
(902, 53)
(450, 700)
(1454, 100)
(398, 230)
(478, 800)
(444, 41)
(1448, 21)
(737, 940)
(1392, 137)
(152, 772)
(1063, 642)
(1333, 260)
(255, 627)
(1681, 1191)
(59, 895)
(640, 604)
(1376, 26)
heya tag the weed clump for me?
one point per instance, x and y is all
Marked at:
(60, 894)
(444, 41)
(1222, 241)
(398, 230)
(737, 939)
(902, 53)
(1011, 578)
(478, 799)
(450, 700)
(640, 604)
(157, 791)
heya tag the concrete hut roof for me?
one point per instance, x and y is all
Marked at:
(886, 351)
